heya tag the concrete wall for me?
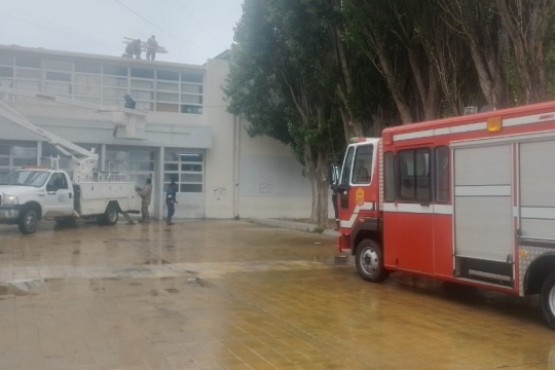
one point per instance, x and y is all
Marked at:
(220, 166)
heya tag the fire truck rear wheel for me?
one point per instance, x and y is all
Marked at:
(369, 261)
(547, 297)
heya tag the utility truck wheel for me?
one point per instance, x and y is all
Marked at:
(369, 261)
(28, 221)
(547, 297)
(111, 215)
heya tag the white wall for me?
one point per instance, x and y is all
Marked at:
(220, 167)
(248, 177)
(271, 183)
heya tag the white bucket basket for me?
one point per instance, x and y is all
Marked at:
(129, 124)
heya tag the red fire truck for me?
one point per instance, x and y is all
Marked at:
(469, 200)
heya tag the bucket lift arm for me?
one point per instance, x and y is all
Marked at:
(129, 124)
(84, 161)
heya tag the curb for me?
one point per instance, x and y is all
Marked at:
(299, 226)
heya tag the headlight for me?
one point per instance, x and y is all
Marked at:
(10, 200)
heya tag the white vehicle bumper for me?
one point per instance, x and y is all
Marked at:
(9, 215)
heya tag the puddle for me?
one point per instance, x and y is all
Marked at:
(20, 287)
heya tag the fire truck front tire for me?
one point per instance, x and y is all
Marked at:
(369, 261)
(547, 297)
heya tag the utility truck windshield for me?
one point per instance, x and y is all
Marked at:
(25, 178)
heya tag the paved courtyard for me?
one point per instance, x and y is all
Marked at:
(237, 295)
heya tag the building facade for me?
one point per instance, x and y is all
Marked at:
(188, 135)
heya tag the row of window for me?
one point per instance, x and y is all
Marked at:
(152, 89)
(417, 175)
(185, 168)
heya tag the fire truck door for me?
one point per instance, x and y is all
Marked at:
(355, 179)
(483, 212)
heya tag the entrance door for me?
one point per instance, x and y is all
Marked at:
(484, 224)
(187, 170)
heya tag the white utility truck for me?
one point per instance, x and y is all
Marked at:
(30, 194)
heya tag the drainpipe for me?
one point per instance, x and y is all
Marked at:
(236, 164)
(159, 175)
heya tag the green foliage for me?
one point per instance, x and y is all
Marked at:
(309, 73)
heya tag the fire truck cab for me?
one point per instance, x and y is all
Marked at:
(468, 199)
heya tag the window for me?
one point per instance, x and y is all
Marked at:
(189, 88)
(115, 70)
(191, 77)
(28, 73)
(137, 163)
(6, 71)
(347, 162)
(389, 177)
(57, 181)
(58, 65)
(27, 61)
(194, 109)
(414, 175)
(167, 75)
(186, 169)
(362, 167)
(441, 155)
(142, 72)
(87, 67)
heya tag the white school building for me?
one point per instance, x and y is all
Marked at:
(189, 136)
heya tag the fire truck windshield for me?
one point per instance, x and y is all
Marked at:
(357, 165)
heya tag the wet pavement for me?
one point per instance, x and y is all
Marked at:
(238, 295)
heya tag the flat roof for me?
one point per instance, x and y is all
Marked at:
(101, 58)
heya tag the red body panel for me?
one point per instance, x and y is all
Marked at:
(423, 242)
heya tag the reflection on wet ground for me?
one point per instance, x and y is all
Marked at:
(234, 295)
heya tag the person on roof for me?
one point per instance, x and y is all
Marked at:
(151, 48)
(133, 49)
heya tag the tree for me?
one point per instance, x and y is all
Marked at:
(478, 22)
(282, 79)
(527, 26)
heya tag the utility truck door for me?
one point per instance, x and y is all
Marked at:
(59, 196)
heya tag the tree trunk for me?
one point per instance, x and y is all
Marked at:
(320, 190)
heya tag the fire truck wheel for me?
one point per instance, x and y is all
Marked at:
(547, 297)
(369, 261)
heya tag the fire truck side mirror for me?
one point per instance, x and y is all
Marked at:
(333, 175)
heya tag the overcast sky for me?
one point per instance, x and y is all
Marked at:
(191, 30)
